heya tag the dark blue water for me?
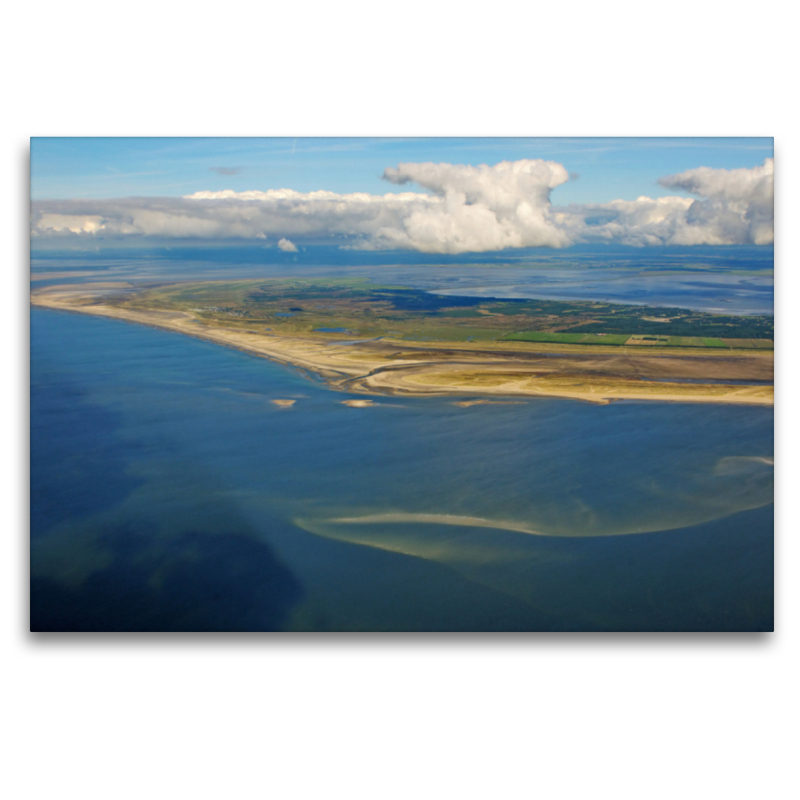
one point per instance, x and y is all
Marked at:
(170, 493)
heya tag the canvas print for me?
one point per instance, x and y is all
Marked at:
(401, 385)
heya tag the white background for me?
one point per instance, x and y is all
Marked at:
(703, 716)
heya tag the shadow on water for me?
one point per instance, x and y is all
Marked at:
(116, 549)
(77, 466)
(192, 582)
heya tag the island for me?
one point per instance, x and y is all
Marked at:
(365, 338)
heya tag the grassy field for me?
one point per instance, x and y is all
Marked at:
(567, 338)
(638, 340)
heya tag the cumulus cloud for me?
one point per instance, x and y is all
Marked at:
(738, 204)
(732, 207)
(481, 208)
(287, 246)
(464, 209)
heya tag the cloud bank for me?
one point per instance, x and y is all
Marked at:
(463, 209)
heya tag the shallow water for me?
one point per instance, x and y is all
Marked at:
(726, 280)
(719, 293)
(170, 493)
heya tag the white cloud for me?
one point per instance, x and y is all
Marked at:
(287, 246)
(738, 205)
(465, 209)
(734, 185)
(480, 208)
(733, 207)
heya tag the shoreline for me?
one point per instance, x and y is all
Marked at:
(400, 368)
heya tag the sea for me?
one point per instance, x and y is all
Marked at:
(170, 493)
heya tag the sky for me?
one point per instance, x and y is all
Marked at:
(434, 195)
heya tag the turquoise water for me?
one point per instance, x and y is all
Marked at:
(168, 492)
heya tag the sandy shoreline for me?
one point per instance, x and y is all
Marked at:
(401, 368)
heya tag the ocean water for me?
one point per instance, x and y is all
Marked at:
(168, 492)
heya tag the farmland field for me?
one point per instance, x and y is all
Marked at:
(622, 339)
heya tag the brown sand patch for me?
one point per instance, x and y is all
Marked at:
(468, 403)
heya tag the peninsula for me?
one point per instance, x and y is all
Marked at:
(370, 339)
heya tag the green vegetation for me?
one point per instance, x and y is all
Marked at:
(567, 338)
(356, 307)
(617, 340)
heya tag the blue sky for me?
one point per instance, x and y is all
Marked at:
(607, 169)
